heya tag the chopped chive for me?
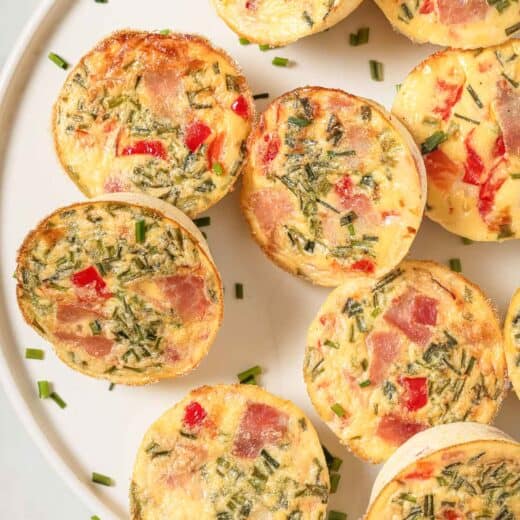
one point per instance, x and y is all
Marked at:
(510, 80)
(95, 517)
(202, 221)
(100, 2)
(512, 29)
(338, 410)
(474, 95)
(34, 353)
(249, 381)
(244, 41)
(111, 387)
(465, 118)
(334, 482)
(218, 168)
(280, 62)
(59, 61)
(95, 327)
(362, 35)
(364, 384)
(262, 95)
(398, 87)
(406, 11)
(333, 463)
(376, 70)
(58, 400)
(432, 142)
(299, 121)
(98, 478)
(353, 39)
(515, 176)
(140, 231)
(455, 265)
(331, 344)
(250, 372)
(337, 515)
(466, 241)
(165, 32)
(239, 291)
(264, 47)
(44, 389)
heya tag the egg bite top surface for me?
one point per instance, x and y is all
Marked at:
(163, 114)
(124, 289)
(278, 22)
(388, 358)
(333, 187)
(465, 24)
(451, 472)
(230, 452)
(463, 108)
(512, 341)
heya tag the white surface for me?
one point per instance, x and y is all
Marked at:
(100, 431)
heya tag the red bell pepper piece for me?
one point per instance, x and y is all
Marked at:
(499, 150)
(194, 415)
(474, 165)
(452, 94)
(416, 392)
(90, 277)
(427, 7)
(196, 134)
(364, 265)
(240, 107)
(154, 148)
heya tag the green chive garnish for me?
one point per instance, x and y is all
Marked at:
(455, 265)
(244, 41)
(466, 241)
(263, 95)
(202, 221)
(280, 62)
(58, 400)
(165, 32)
(140, 231)
(337, 515)
(398, 87)
(34, 353)
(362, 35)
(475, 97)
(515, 176)
(95, 517)
(100, 2)
(331, 344)
(95, 327)
(111, 387)
(44, 389)
(334, 482)
(218, 168)
(59, 61)
(338, 410)
(239, 291)
(298, 121)
(264, 47)
(249, 373)
(376, 70)
(364, 384)
(512, 29)
(432, 142)
(353, 39)
(98, 478)
(333, 463)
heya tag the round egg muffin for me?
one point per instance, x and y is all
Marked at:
(163, 114)
(465, 24)
(512, 341)
(391, 357)
(451, 472)
(463, 108)
(123, 287)
(278, 22)
(230, 452)
(333, 186)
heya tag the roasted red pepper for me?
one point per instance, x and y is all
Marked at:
(240, 107)
(272, 149)
(427, 7)
(499, 150)
(423, 471)
(452, 95)
(194, 415)
(196, 134)
(344, 187)
(154, 148)
(90, 277)
(474, 165)
(415, 392)
(215, 150)
(487, 194)
(364, 265)
(451, 514)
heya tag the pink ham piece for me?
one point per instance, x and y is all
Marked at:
(261, 425)
(270, 207)
(413, 314)
(452, 12)
(384, 347)
(96, 346)
(74, 312)
(394, 430)
(186, 294)
(508, 109)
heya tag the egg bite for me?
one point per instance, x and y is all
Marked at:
(229, 452)
(463, 108)
(163, 114)
(278, 22)
(123, 287)
(451, 472)
(388, 358)
(333, 186)
(463, 24)
(512, 341)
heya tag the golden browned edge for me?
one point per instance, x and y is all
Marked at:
(178, 36)
(334, 17)
(249, 172)
(508, 343)
(142, 379)
(433, 453)
(418, 69)
(431, 266)
(248, 390)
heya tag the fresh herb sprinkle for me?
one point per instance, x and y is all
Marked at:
(34, 353)
(101, 479)
(58, 60)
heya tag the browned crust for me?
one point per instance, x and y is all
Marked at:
(24, 250)
(125, 35)
(431, 266)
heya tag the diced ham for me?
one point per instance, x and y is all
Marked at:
(413, 313)
(357, 202)
(415, 394)
(114, 185)
(395, 430)
(441, 170)
(74, 312)
(260, 425)
(424, 470)
(384, 348)
(186, 293)
(96, 346)
(271, 148)
(163, 87)
(452, 12)
(184, 464)
(270, 206)
(450, 93)
(507, 105)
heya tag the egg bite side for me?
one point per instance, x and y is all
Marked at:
(162, 114)
(230, 451)
(454, 471)
(512, 341)
(464, 24)
(333, 186)
(278, 22)
(123, 287)
(463, 109)
(390, 357)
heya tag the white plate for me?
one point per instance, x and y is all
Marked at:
(100, 431)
